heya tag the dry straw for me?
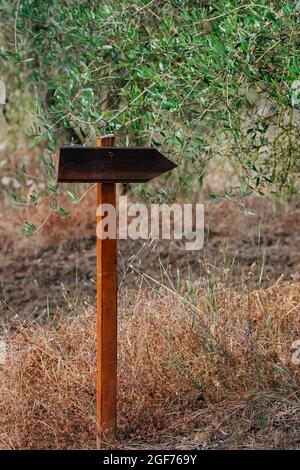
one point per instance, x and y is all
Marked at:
(215, 373)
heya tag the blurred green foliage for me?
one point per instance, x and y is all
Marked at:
(198, 79)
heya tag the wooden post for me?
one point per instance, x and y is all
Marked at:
(106, 319)
(106, 167)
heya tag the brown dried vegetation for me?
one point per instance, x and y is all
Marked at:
(214, 371)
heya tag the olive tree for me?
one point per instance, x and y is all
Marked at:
(201, 80)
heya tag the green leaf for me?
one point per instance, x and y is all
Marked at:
(62, 212)
(29, 228)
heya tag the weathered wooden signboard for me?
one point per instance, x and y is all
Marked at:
(94, 164)
(107, 165)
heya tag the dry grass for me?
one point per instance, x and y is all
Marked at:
(51, 227)
(214, 371)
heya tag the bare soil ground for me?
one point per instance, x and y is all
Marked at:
(54, 271)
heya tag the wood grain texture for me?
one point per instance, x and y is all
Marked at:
(95, 164)
(106, 320)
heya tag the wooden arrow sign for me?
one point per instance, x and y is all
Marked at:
(106, 164)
